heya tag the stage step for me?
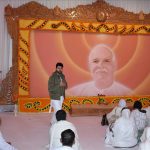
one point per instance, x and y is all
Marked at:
(7, 108)
(93, 109)
(90, 109)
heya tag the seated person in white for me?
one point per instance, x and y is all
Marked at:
(140, 118)
(123, 133)
(145, 140)
(67, 139)
(116, 112)
(148, 115)
(58, 127)
(3, 144)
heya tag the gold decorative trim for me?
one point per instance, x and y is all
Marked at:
(43, 104)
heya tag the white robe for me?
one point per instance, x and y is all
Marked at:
(116, 112)
(55, 134)
(64, 148)
(148, 115)
(124, 133)
(4, 145)
(145, 140)
(139, 118)
(89, 89)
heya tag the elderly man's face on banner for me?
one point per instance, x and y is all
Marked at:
(102, 65)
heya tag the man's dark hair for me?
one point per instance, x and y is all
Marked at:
(67, 137)
(61, 115)
(59, 64)
(137, 105)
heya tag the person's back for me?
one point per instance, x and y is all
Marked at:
(57, 128)
(148, 115)
(139, 116)
(124, 131)
(145, 140)
(64, 148)
(116, 112)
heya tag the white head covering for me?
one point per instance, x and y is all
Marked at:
(125, 113)
(122, 103)
(146, 144)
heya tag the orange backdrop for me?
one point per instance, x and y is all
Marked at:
(49, 47)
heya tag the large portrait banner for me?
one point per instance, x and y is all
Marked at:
(102, 62)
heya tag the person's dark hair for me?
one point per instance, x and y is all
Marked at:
(137, 105)
(61, 115)
(59, 64)
(67, 137)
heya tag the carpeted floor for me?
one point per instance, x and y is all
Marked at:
(29, 131)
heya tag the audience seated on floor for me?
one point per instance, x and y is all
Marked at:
(67, 140)
(3, 144)
(123, 132)
(145, 140)
(57, 128)
(115, 113)
(139, 116)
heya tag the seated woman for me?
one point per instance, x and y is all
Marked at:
(123, 133)
(145, 140)
(116, 112)
(140, 118)
(148, 115)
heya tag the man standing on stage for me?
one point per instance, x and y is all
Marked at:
(56, 88)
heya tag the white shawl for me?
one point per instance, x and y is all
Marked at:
(124, 133)
(148, 115)
(55, 134)
(116, 112)
(64, 148)
(145, 145)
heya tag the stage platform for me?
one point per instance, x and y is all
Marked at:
(95, 105)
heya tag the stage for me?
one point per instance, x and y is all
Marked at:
(39, 42)
(26, 104)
